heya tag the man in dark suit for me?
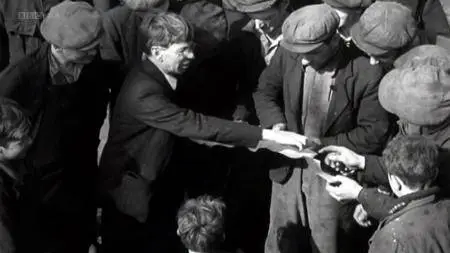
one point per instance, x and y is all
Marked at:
(142, 184)
(317, 87)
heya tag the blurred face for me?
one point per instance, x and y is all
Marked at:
(14, 150)
(319, 57)
(176, 58)
(79, 56)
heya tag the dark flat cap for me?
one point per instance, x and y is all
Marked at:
(72, 25)
(424, 55)
(309, 27)
(384, 27)
(248, 6)
(419, 95)
(349, 4)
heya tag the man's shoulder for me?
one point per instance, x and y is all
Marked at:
(144, 78)
(118, 14)
(427, 218)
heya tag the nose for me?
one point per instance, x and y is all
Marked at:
(190, 54)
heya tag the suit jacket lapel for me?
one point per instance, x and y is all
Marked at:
(295, 90)
(156, 74)
(340, 98)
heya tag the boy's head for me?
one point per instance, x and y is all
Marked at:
(412, 163)
(14, 130)
(201, 224)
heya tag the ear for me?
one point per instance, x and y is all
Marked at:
(396, 183)
(178, 231)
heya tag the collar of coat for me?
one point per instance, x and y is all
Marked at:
(415, 199)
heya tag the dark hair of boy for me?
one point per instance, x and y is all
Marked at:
(201, 224)
(413, 159)
(14, 123)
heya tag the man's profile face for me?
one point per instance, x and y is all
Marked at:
(176, 58)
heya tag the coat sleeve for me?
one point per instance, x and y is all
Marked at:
(374, 172)
(111, 48)
(156, 110)
(435, 21)
(373, 123)
(269, 94)
(376, 203)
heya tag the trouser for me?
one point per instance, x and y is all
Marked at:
(303, 216)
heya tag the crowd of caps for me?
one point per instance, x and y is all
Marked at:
(343, 104)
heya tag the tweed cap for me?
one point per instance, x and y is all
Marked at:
(424, 55)
(419, 95)
(72, 25)
(384, 27)
(349, 4)
(309, 27)
(248, 6)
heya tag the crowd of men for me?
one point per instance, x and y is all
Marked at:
(269, 126)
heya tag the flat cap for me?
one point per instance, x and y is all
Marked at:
(383, 27)
(419, 95)
(349, 4)
(424, 55)
(309, 27)
(72, 25)
(248, 6)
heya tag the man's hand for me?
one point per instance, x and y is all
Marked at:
(344, 155)
(285, 138)
(361, 216)
(279, 127)
(342, 188)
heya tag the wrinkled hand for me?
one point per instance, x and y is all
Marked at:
(342, 188)
(344, 155)
(361, 216)
(285, 138)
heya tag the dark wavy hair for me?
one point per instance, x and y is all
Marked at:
(201, 223)
(414, 159)
(164, 29)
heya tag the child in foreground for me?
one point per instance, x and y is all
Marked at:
(201, 224)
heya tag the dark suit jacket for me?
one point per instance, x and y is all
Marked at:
(144, 126)
(355, 118)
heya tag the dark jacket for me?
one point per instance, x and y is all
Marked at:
(144, 127)
(66, 121)
(122, 41)
(421, 224)
(9, 196)
(355, 118)
(431, 19)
